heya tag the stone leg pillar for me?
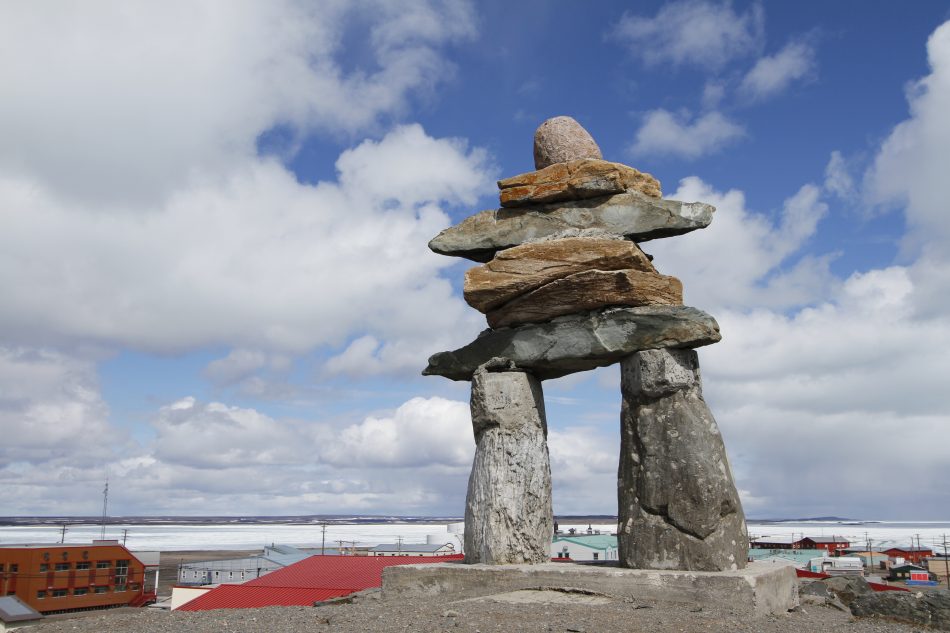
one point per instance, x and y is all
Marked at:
(508, 517)
(678, 505)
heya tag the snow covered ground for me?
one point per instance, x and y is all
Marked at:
(251, 536)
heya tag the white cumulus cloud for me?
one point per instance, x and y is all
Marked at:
(773, 74)
(161, 93)
(262, 262)
(667, 133)
(422, 431)
(693, 32)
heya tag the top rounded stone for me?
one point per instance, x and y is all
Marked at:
(561, 139)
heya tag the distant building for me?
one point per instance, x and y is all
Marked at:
(237, 570)
(938, 566)
(831, 544)
(910, 574)
(53, 578)
(773, 543)
(871, 559)
(911, 554)
(799, 558)
(837, 565)
(585, 547)
(413, 549)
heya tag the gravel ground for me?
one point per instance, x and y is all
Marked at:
(538, 613)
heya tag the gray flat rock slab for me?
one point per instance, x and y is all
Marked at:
(758, 590)
(631, 214)
(579, 342)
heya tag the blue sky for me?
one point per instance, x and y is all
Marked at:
(217, 292)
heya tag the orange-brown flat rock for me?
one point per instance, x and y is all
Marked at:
(575, 180)
(588, 290)
(523, 268)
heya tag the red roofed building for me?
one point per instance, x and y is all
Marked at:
(911, 554)
(831, 544)
(311, 580)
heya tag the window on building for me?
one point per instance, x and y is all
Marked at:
(1, 567)
(121, 587)
(103, 564)
(121, 574)
(59, 593)
(63, 566)
(81, 566)
(596, 556)
(101, 589)
(40, 594)
(44, 567)
(14, 568)
(80, 591)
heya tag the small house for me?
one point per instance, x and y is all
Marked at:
(911, 574)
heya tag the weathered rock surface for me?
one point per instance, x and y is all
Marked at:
(560, 139)
(508, 516)
(521, 269)
(585, 291)
(579, 342)
(630, 214)
(837, 592)
(816, 593)
(677, 503)
(574, 180)
(930, 608)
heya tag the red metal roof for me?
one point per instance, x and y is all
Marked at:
(353, 572)
(308, 581)
(244, 597)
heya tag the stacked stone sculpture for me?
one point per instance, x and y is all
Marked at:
(565, 287)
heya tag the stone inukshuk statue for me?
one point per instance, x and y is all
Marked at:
(566, 288)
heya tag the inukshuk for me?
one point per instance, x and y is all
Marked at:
(566, 288)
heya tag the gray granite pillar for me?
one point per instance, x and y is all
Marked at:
(677, 503)
(508, 517)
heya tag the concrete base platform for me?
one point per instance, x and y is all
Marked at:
(759, 589)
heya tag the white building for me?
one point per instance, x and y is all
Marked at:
(413, 549)
(237, 570)
(837, 565)
(585, 547)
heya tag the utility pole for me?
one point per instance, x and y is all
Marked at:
(870, 553)
(125, 535)
(62, 539)
(323, 540)
(946, 560)
(399, 545)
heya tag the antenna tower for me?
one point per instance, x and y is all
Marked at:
(105, 508)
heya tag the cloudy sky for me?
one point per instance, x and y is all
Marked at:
(214, 282)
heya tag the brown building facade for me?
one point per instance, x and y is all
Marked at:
(58, 577)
